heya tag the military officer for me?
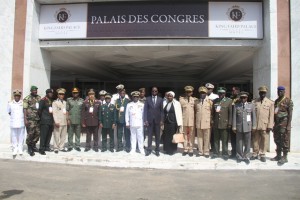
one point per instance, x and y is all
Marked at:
(60, 121)
(102, 94)
(188, 117)
(15, 110)
(282, 128)
(235, 99)
(210, 91)
(31, 119)
(116, 96)
(74, 106)
(264, 109)
(244, 121)
(222, 119)
(90, 120)
(203, 109)
(142, 97)
(121, 105)
(47, 121)
(134, 122)
(107, 120)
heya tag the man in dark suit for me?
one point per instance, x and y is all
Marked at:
(153, 115)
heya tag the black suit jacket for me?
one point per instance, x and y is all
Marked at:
(153, 112)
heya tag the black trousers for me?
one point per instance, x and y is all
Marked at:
(153, 128)
(45, 136)
(91, 130)
(233, 142)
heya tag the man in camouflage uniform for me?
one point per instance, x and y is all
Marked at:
(31, 119)
(282, 128)
(74, 106)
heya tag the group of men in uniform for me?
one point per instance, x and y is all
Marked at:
(209, 116)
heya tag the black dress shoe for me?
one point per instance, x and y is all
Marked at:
(157, 153)
(225, 158)
(111, 150)
(198, 155)
(206, 156)
(253, 157)
(103, 150)
(214, 156)
(263, 159)
(96, 150)
(119, 149)
(34, 149)
(191, 154)
(127, 150)
(77, 149)
(63, 150)
(70, 149)
(247, 161)
(184, 153)
(42, 152)
(232, 156)
(238, 160)
(147, 153)
(86, 149)
(56, 151)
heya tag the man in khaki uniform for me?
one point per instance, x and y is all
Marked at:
(188, 119)
(264, 108)
(203, 108)
(60, 121)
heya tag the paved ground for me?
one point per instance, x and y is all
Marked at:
(125, 160)
(32, 180)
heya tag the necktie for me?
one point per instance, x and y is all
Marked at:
(154, 100)
(243, 106)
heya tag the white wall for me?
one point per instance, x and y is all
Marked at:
(7, 17)
(295, 64)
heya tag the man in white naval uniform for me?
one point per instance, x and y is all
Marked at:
(17, 126)
(134, 121)
(210, 88)
(116, 95)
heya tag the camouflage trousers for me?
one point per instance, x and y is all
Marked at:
(33, 132)
(281, 135)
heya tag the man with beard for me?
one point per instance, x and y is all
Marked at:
(46, 114)
(31, 119)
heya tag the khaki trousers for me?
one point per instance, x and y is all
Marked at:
(203, 136)
(260, 142)
(60, 135)
(189, 138)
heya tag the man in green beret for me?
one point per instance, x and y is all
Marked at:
(32, 119)
(222, 120)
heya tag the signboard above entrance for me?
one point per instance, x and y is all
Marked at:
(151, 20)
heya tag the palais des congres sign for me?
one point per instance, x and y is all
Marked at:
(151, 20)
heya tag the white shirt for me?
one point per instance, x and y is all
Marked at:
(16, 114)
(213, 96)
(117, 96)
(134, 114)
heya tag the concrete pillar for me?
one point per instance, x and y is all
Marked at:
(265, 62)
(7, 18)
(295, 69)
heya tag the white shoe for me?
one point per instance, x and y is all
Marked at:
(20, 152)
(15, 151)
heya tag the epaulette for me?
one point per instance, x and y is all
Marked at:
(27, 97)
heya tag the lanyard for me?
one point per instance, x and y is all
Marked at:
(280, 101)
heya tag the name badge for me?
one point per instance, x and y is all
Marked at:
(91, 110)
(50, 109)
(64, 111)
(37, 105)
(122, 109)
(276, 110)
(248, 118)
(218, 109)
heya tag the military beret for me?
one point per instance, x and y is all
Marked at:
(91, 91)
(244, 94)
(17, 92)
(61, 91)
(75, 90)
(120, 87)
(202, 89)
(135, 93)
(263, 88)
(281, 88)
(107, 96)
(221, 90)
(49, 91)
(189, 88)
(209, 86)
(142, 89)
(33, 88)
(102, 93)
